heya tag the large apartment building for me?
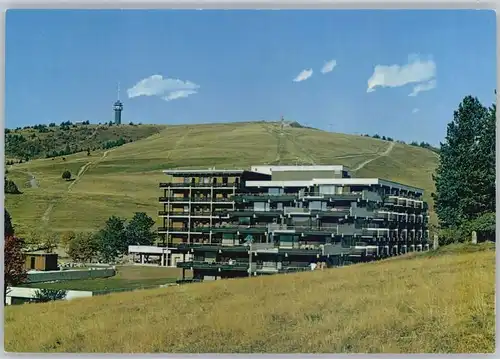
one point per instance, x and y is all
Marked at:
(272, 219)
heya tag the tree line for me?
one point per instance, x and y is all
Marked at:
(422, 144)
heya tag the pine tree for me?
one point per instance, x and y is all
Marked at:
(460, 173)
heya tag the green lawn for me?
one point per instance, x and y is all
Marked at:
(127, 277)
(98, 284)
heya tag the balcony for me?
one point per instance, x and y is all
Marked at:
(337, 213)
(199, 184)
(265, 197)
(314, 196)
(173, 229)
(240, 228)
(214, 266)
(191, 213)
(252, 213)
(195, 199)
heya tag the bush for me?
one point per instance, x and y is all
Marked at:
(66, 175)
(484, 225)
(451, 235)
(47, 295)
(10, 187)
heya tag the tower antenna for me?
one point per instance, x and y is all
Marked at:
(118, 91)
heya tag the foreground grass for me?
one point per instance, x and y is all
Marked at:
(438, 304)
(127, 277)
(125, 179)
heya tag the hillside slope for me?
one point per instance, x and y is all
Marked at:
(41, 141)
(125, 179)
(438, 303)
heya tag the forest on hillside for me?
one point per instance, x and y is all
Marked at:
(42, 141)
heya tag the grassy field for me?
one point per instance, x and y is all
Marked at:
(125, 179)
(127, 277)
(440, 303)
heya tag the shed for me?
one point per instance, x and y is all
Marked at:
(41, 261)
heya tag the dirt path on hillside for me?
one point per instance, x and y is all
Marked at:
(383, 154)
(279, 141)
(81, 172)
(177, 144)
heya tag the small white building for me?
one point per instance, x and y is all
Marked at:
(20, 295)
(152, 255)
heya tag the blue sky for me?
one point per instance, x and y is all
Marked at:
(220, 66)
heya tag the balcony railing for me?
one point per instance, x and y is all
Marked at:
(262, 197)
(199, 184)
(333, 196)
(237, 266)
(217, 212)
(195, 199)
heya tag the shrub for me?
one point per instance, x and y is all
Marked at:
(47, 295)
(451, 235)
(484, 225)
(66, 175)
(10, 187)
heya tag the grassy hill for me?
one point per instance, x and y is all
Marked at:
(440, 302)
(124, 179)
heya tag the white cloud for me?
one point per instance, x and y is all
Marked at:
(415, 110)
(166, 88)
(425, 86)
(304, 75)
(178, 94)
(329, 66)
(415, 71)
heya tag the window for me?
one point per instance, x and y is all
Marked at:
(315, 205)
(259, 206)
(275, 191)
(244, 220)
(327, 189)
(279, 206)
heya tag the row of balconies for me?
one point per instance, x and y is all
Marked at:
(199, 184)
(284, 229)
(216, 212)
(195, 199)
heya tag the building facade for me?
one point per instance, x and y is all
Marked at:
(273, 219)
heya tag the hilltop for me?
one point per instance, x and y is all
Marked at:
(435, 302)
(123, 180)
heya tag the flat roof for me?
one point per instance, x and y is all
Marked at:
(269, 169)
(334, 181)
(200, 171)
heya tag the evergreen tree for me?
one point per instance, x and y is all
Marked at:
(460, 173)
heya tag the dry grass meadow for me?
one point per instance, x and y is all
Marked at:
(439, 302)
(125, 180)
